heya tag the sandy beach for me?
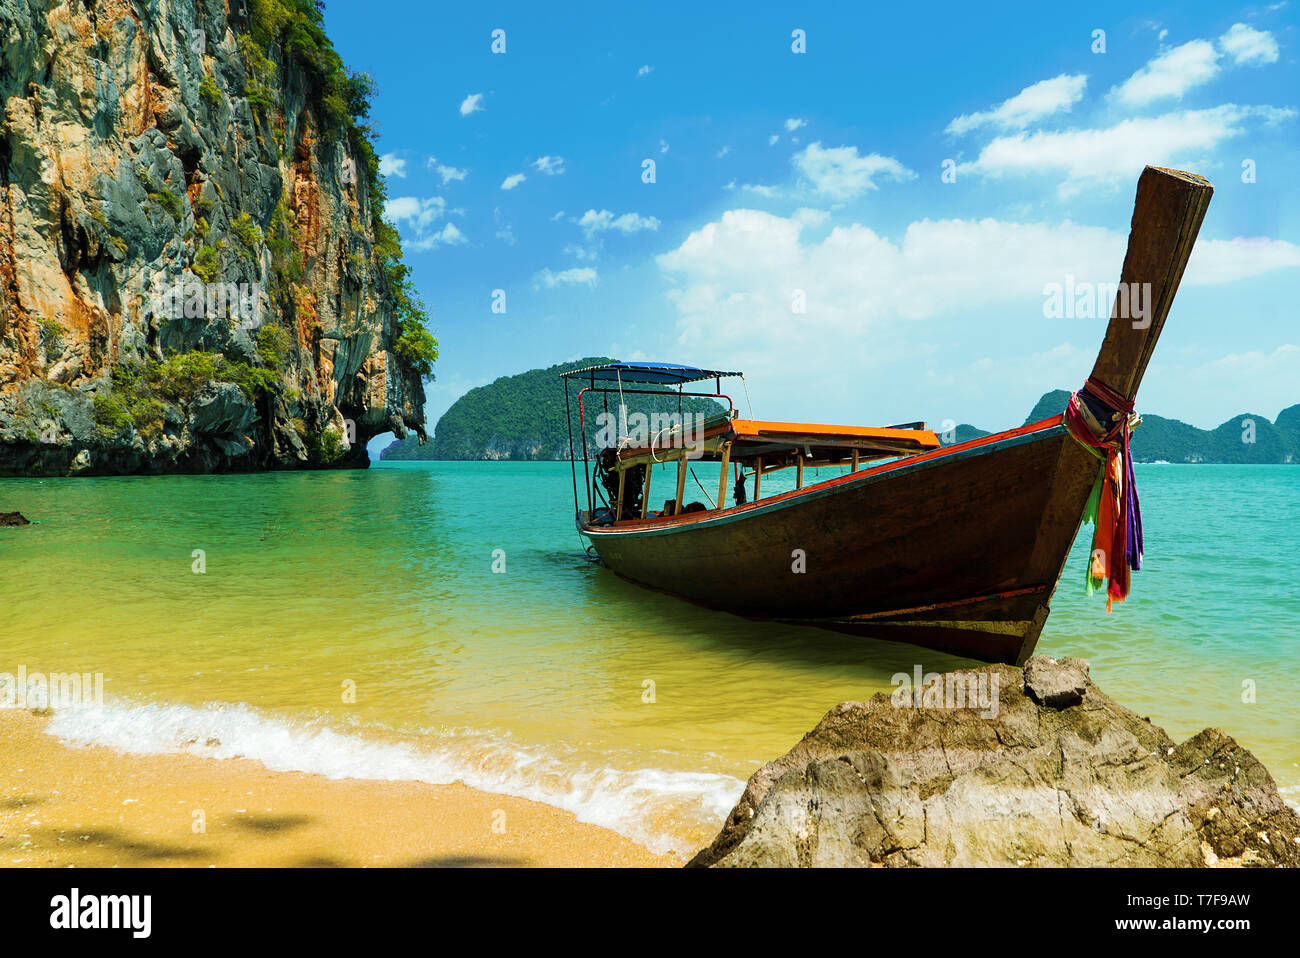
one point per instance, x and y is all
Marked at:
(63, 806)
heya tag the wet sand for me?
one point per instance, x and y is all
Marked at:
(62, 806)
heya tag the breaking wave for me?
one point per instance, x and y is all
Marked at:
(662, 809)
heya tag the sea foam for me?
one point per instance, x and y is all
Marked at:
(665, 810)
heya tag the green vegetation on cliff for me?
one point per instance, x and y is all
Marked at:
(139, 396)
(522, 417)
(294, 32)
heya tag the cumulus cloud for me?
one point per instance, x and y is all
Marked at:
(645, 70)
(1118, 153)
(734, 279)
(471, 104)
(794, 123)
(1171, 74)
(1033, 103)
(841, 174)
(1223, 261)
(1260, 381)
(449, 235)
(416, 218)
(448, 174)
(602, 221)
(390, 165)
(578, 276)
(1248, 46)
(415, 210)
(513, 180)
(550, 165)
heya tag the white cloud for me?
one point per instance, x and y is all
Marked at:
(416, 216)
(447, 236)
(1288, 354)
(773, 139)
(1248, 46)
(390, 165)
(646, 70)
(448, 174)
(841, 174)
(415, 211)
(734, 280)
(767, 192)
(722, 152)
(1171, 74)
(471, 104)
(663, 146)
(550, 165)
(559, 215)
(578, 276)
(1223, 261)
(599, 222)
(1118, 153)
(794, 123)
(513, 180)
(1204, 392)
(1033, 103)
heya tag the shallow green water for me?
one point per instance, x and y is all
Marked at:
(532, 680)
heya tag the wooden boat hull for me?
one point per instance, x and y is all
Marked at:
(957, 550)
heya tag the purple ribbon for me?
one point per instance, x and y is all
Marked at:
(1134, 529)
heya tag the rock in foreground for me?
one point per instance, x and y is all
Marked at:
(1077, 780)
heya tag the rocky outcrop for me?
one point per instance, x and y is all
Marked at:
(190, 273)
(1045, 771)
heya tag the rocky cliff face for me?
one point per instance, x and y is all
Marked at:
(190, 273)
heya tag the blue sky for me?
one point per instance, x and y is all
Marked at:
(816, 179)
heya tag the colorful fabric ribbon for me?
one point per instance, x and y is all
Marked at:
(1099, 419)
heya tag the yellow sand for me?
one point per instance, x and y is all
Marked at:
(61, 805)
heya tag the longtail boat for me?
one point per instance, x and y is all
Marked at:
(951, 547)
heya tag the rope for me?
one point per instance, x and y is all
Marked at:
(702, 489)
(747, 401)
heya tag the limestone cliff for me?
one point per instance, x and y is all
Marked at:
(194, 271)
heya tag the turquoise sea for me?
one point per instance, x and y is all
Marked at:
(352, 624)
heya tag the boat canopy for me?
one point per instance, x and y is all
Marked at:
(779, 444)
(669, 374)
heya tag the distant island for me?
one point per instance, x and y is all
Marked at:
(522, 417)
(1245, 438)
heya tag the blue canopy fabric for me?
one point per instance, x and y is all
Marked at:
(671, 374)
